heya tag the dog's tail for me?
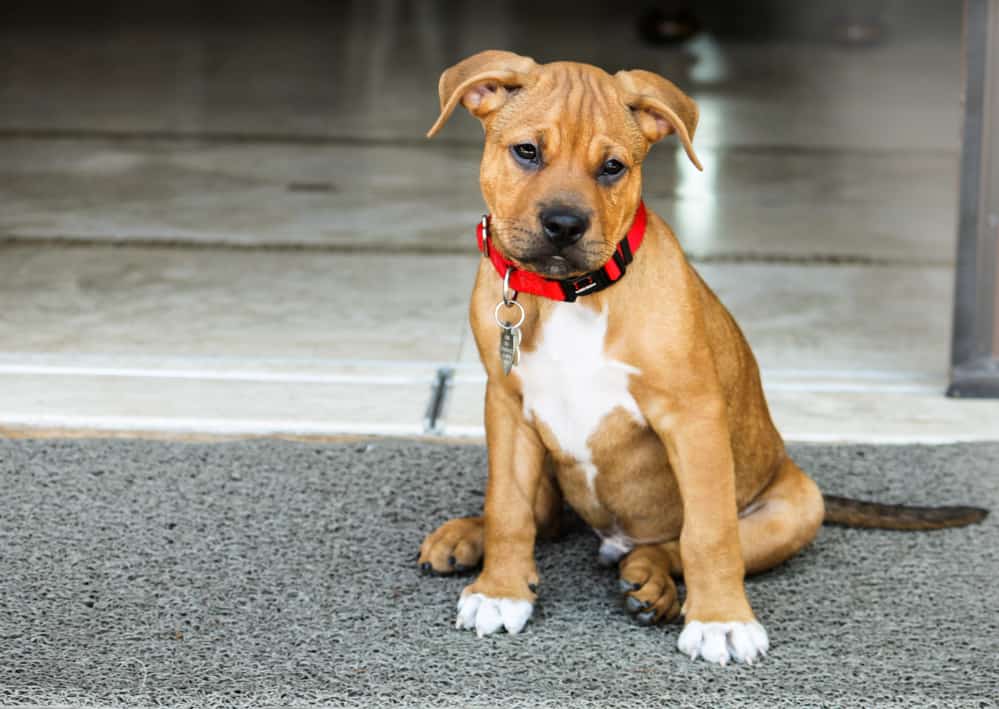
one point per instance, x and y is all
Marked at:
(874, 515)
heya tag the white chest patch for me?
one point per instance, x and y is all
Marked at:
(568, 382)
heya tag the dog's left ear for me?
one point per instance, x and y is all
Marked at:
(660, 108)
(481, 83)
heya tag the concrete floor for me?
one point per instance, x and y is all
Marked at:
(236, 227)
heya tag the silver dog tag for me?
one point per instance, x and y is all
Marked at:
(509, 346)
(509, 331)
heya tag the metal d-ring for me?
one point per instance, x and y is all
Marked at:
(503, 323)
(508, 300)
(485, 234)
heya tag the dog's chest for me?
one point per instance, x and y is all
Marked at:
(568, 382)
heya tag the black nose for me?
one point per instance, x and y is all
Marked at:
(564, 226)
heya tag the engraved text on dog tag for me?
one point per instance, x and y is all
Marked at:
(509, 346)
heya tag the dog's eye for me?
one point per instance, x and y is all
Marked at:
(526, 153)
(611, 168)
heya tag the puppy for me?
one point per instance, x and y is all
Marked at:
(617, 381)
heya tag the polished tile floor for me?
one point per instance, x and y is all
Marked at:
(236, 227)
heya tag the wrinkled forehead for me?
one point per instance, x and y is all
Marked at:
(569, 107)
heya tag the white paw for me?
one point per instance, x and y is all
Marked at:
(720, 642)
(485, 615)
(611, 552)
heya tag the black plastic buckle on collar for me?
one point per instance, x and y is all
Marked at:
(598, 280)
(584, 285)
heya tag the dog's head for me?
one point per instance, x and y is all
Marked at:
(561, 171)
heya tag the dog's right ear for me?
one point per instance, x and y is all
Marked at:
(660, 108)
(481, 84)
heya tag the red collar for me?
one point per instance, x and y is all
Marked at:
(569, 289)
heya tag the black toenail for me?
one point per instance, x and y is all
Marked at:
(533, 587)
(451, 561)
(633, 604)
(647, 618)
(461, 568)
(425, 567)
(627, 586)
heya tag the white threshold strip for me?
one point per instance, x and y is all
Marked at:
(871, 438)
(283, 427)
(825, 381)
(378, 379)
(207, 426)
(202, 374)
(382, 372)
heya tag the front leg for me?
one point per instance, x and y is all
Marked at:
(504, 593)
(719, 624)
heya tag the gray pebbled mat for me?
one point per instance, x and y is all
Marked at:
(266, 573)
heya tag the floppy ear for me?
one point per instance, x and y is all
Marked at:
(480, 83)
(660, 108)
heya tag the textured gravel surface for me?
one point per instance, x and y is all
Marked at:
(268, 573)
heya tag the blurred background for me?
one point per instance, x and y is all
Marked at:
(223, 218)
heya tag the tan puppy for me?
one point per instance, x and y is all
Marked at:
(640, 404)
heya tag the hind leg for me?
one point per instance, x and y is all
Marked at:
(779, 523)
(783, 519)
(457, 545)
(776, 525)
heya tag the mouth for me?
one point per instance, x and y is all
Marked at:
(553, 266)
(556, 267)
(533, 252)
(560, 265)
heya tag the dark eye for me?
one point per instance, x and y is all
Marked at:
(611, 168)
(526, 153)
